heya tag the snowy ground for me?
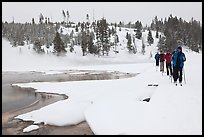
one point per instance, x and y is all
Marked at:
(30, 128)
(115, 106)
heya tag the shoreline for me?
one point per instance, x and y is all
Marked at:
(12, 126)
(8, 118)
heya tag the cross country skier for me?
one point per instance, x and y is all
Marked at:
(161, 59)
(157, 60)
(167, 58)
(178, 59)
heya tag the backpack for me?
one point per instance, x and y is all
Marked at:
(157, 57)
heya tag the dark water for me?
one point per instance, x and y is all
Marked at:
(14, 98)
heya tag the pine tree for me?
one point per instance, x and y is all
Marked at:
(113, 31)
(98, 38)
(33, 21)
(102, 36)
(84, 37)
(72, 34)
(87, 44)
(143, 47)
(106, 45)
(59, 47)
(37, 46)
(138, 27)
(41, 18)
(91, 47)
(68, 16)
(82, 26)
(162, 44)
(157, 34)
(76, 28)
(49, 21)
(46, 20)
(150, 38)
(116, 40)
(127, 36)
(71, 47)
(129, 42)
(87, 17)
(84, 43)
(64, 16)
(105, 36)
(134, 46)
(120, 25)
(94, 26)
(138, 34)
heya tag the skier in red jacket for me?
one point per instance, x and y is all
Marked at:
(167, 58)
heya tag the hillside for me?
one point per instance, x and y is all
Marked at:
(24, 58)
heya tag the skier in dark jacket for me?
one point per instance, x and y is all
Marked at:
(167, 57)
(157, 59)
(161, 59)
(178, 59)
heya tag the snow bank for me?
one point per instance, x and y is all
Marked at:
(50, 72)
(30, 128)
(60, 113)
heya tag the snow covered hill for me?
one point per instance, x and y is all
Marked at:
(23, 58)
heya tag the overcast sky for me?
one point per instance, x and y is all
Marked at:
(112, 11)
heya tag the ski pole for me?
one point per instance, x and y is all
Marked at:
(172, 70)
(171, 77)
(184, 76)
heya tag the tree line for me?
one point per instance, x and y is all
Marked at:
(94, 37)
(178, 32)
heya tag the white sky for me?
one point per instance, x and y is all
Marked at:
(112, 11)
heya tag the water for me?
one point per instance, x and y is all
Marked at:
(14, 98)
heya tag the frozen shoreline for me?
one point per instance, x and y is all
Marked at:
(49, 98)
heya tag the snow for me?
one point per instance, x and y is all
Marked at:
(50, 72)
(27, 60)
(23, 58)
(78, 73)
(30, 128)
(115, 106)
(171, 110)
(71, 110)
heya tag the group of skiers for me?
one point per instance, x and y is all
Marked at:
(174, 63)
